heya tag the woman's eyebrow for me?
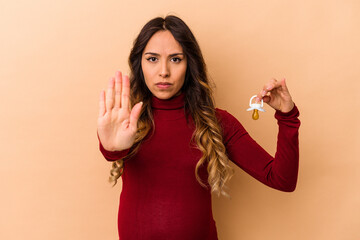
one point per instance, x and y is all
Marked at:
(174, 54)
(171, 55)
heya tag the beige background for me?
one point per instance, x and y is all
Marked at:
(56, 56)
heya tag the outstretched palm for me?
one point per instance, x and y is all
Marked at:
(117, 124)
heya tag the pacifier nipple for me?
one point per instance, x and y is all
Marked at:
(255, 114)
(256, 107)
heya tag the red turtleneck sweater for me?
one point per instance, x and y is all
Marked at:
(161, 198)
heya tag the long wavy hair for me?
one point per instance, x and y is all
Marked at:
(199, 103)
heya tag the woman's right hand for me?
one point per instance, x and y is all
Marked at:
(117, 124)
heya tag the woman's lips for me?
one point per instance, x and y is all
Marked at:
(163, 85)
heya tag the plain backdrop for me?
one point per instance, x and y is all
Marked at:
(56, 57)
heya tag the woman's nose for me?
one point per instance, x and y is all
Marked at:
(164, 71)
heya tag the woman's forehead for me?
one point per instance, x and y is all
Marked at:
(163, 42)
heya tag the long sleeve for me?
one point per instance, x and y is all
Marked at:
(279, 172)
(111, 155)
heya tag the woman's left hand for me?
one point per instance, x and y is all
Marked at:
(276, 94)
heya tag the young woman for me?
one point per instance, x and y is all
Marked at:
(172, 147)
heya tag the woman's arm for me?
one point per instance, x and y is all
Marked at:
(279, 172)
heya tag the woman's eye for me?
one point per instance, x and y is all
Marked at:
(151, 59)
(176, 59)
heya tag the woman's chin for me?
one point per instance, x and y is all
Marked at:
(165, 95)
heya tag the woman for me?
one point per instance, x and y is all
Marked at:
(172, 146)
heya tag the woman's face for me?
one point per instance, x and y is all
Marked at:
(164, 64)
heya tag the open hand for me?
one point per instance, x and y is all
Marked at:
(117, 124)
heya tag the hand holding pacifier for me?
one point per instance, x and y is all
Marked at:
(276, 95)
(256, 107)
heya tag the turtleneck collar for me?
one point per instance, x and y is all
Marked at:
(168, 104)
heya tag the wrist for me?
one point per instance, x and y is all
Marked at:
(293, 112)
(288, 108)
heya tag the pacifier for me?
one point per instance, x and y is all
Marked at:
(256, 107)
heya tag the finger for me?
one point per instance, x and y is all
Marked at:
(264, 91)
(258, 98)
(272, 84)
(118, 80)
(135, 114)
(125, 94)
(284, 86)
(110, 95)
(102, 104)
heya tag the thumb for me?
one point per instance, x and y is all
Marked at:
(135, 114)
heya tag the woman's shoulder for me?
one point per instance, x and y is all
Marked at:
(225, 117)
(230, 125)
